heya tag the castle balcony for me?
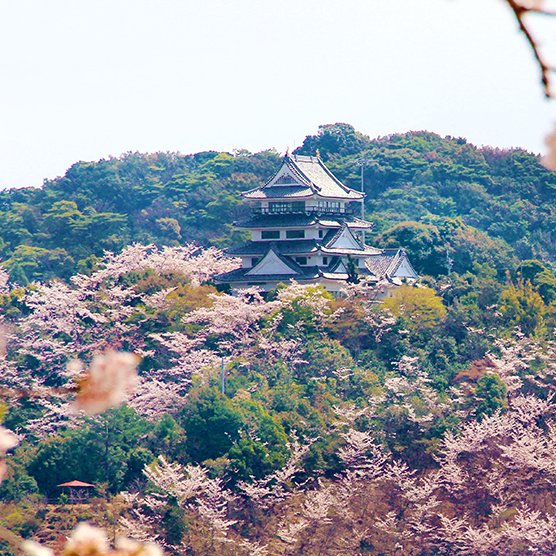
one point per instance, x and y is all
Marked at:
(290, 208)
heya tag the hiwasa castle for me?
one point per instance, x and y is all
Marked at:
(304, 226)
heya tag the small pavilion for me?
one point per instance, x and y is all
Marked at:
(78, 491)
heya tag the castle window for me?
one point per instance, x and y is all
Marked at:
(321, 234)
(282, 207)
(301, 260)
(279, 207)
(329, 206)
(295, 234)
(270, 234)
(325, 260)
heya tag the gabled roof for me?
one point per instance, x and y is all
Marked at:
(390, 263)
(271, 267)
(343, 242)
(274, 263)
(282, 192)
(77, 484)
(342, 251)
(303, 176)
(337, 267)
(299, 247)
(343, 238)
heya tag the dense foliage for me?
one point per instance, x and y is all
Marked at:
(297, 423)
(452, 205)
(326, 403)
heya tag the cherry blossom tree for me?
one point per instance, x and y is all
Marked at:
(93, 315)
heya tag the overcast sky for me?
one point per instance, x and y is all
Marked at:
(86, 79)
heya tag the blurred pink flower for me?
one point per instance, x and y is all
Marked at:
(549, 159)
(127, 547)
(8, 440)
(32, 548)
(87, 540)
(108, 382)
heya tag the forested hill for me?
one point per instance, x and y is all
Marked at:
(452, 205)
(297, 422)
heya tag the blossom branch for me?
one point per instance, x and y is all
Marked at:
(520, 11)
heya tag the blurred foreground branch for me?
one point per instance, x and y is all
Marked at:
(521, 9)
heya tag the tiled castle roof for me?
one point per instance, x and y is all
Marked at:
(386, 263)
(309, 177)
(294, 247)
(301, 220)
(280, 192)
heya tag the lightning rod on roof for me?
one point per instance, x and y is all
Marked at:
(363, 191)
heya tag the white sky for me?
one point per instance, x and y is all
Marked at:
(86, 79)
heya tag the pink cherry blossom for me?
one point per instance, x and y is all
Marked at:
(549, 159)
(8, 440)
(86, 540)
(32, 548)
(108, 382)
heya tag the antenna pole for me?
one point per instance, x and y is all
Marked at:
(362, 191)
(363, 199)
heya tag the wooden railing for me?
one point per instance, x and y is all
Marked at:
(307, 210)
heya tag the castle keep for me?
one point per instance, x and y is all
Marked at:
(304, 227)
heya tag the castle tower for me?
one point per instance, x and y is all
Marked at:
(303, 227)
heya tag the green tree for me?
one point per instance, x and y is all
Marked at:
(334, 139)
(521, 306)
(490, 395)
(420, 307)
(211, 422)
(262, 445)
(541, 277)
(424, 245)
(174, 523)
(99, 452)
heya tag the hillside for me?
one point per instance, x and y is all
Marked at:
(295, 422)
(449, 203)
(423, 425)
